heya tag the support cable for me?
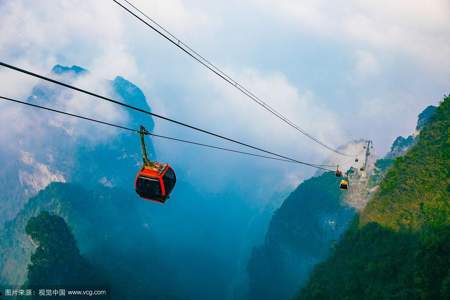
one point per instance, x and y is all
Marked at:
(157, 135)
(213, 68)
(150, 113)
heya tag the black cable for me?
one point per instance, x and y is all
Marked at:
(203, 61)
(218, 148)
(150, 113)
(149, 133)
(68, 114)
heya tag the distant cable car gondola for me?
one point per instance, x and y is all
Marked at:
(155, 181)
(344, 184)
(338, 172)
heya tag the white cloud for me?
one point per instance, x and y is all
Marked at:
(39, 35)
(37, 176)
(346, 162)
(393, 56)
(100, 36)
(175, 15)
(224, 109)
(366, 64)
(302, 107)
(417, 29)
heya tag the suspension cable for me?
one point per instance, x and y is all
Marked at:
(213, 68)
(148, 112)
(157, 135)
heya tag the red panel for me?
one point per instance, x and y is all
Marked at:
(155, 174)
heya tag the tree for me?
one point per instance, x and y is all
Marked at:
(57, 260)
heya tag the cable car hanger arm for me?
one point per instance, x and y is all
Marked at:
(142, 133)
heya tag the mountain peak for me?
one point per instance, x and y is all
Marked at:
(425, 116)
(129, 89)
(402, 144)
(133, 95)
(75, 70)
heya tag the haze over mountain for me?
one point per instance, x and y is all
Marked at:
(310, 222)
(95, 168)
(398, 247)
(235, 227)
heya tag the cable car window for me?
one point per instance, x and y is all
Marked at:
(148, 187)
(169, 180)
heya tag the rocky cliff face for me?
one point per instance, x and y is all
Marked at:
(60, 149)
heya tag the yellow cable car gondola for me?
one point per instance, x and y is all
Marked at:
(344, 184)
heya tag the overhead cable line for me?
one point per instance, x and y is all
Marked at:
(213, 68)
(352, 158)
(151, 113)
(150, 133)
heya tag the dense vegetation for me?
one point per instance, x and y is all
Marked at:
(300, 235)
(110, 230)
(57, 260)
(147, 250)
(399, 247)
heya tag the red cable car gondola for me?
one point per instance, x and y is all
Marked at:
(155, 181)
(338, 172)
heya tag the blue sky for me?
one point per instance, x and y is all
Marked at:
(350, 69)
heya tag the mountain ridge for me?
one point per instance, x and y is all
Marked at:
(29, 167)
(269, 256)
(299, 235)
(398, 247)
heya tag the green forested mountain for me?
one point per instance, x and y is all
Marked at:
(300, 235)
(105, 228)
(399, 246)
(57, 260)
